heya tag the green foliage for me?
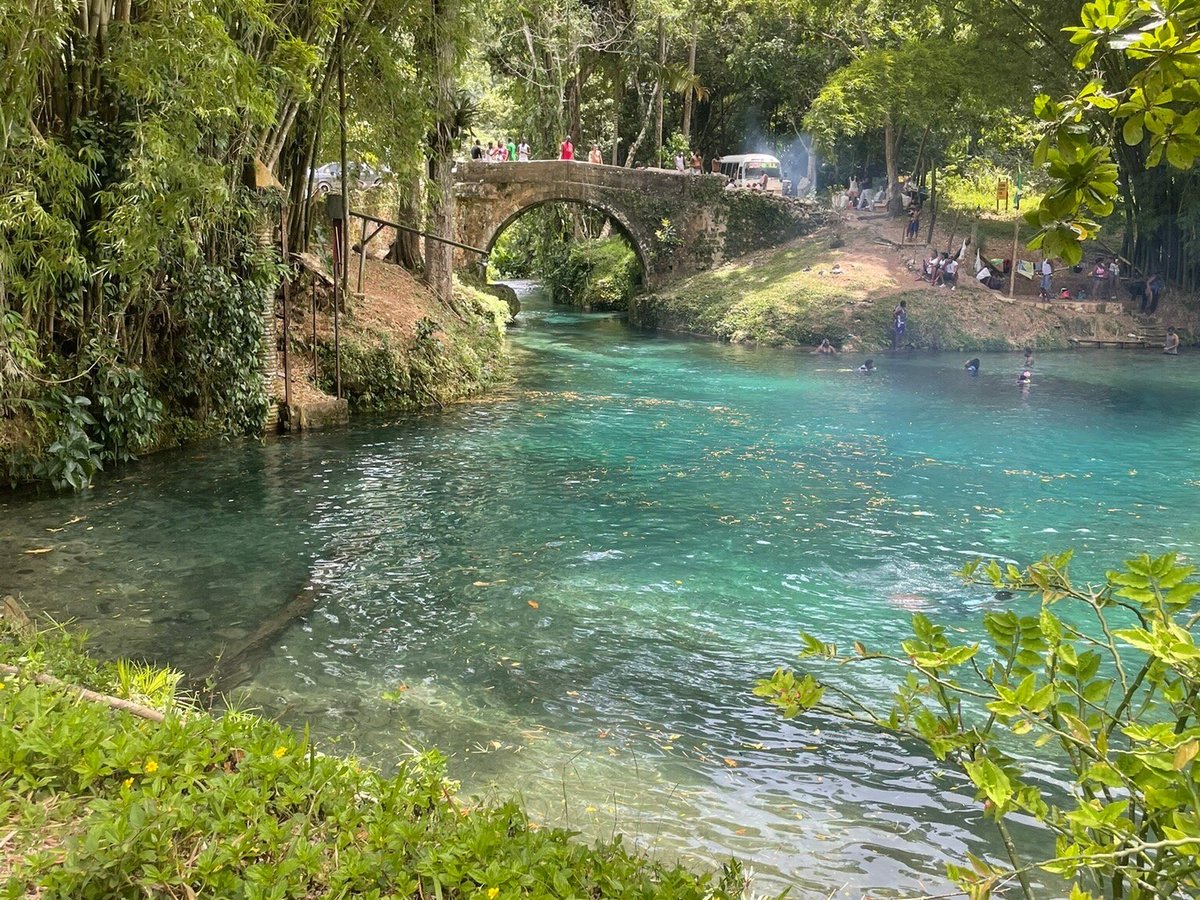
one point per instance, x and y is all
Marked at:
(104, 805)
(1144, 65)
(601, 274)
(515, 254)
(1103, 681)
(219, 313)
(71, 458)
(755, 220)
(128, 415)
(442, 362)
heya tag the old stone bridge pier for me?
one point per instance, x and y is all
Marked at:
(678, 224)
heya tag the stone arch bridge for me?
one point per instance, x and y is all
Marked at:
(706, 224)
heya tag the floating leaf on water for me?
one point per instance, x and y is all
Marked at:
(572, 693)
(533, 603)
(732, 763)
(37, 550)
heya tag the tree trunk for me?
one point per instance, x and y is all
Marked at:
(689, 94)
(662, 62)
(439, 256)
(406, 251)
(891, 148)
(933, 206)
(631, 158)
(616, 116)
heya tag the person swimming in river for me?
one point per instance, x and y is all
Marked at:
(826, 347)
(867, 368)
(1025, 377)
(972, 366)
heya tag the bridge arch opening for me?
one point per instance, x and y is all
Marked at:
(585, 254)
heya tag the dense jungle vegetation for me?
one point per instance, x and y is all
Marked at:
(139, 250)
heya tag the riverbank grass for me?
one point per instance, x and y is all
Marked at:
(99, 802)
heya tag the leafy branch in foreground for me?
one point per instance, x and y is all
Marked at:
(1143, 63)
(1104, 680)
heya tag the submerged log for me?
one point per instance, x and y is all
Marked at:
(235, 667)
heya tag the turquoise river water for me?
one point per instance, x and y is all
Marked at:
(571, 586)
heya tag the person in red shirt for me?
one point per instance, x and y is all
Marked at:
(567, 150)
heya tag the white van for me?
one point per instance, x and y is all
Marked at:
(754, 172)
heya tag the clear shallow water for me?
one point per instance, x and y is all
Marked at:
(678, 511)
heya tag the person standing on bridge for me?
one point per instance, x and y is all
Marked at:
(567, 149)
(512, 150)
(523, 151)
(595, 156)
(476, 151)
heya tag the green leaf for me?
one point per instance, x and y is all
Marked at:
(990, 779)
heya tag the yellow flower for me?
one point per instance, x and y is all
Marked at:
(127, 783)
(492, 892)
(1, 685)
(151, 767)
(280, 752)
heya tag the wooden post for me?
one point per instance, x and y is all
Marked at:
(1012, 275)
(287, 312)
(362, 255)
(314, 324)
(337, 346)
(341, 81)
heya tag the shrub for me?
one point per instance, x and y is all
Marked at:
(1116, 708)
(602, 274)
(102, 804)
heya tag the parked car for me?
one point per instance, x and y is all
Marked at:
(329, 177)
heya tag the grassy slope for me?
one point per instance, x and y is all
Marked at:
(401, 348)
(789, 296)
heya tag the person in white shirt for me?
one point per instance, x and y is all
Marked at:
(523, 151)
(1047, 272)
(1114, 272)
(950, 273)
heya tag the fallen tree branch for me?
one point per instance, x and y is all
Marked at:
(128, 706)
